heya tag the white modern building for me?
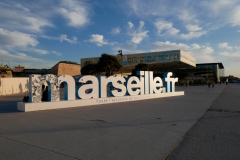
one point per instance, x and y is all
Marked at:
(155, 60)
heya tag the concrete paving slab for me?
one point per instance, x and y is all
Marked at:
(211, 138)
(126, 143)
(146, 129)
(217, 134)
(54, 134)
(13, 149)
(57, 156)
(229, 99)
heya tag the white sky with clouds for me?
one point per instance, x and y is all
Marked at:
(38, 34)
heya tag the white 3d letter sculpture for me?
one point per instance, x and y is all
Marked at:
(92, 90)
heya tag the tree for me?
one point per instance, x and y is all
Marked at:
(140, 67)
(89, 69)
(109, 64)
(68, 62)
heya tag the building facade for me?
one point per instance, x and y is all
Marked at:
(18, 68)
(155, 60)
(66, 68)
(217, 70)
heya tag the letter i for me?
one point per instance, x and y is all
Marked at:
(146, 82)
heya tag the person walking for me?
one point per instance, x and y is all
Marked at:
(209, 84)
(212, 84)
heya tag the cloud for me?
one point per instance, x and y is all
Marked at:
(137, 34)
(172, 31)
(64, 38)
(128, 48)
(14, 39)
(22, 7)
(165, 28)
(207, 50)
(163, 25)
(217, 6)
(25, 60)
(143, 8)
(185, 11)
(19, 56)
(187, 16)
(195, 46)
(75, 12)
(130, 25)
(191, 35)
(61, 38)
(31, 50)
(35, 17)
(231, 56)
(22, 54)
(57, 53)
(193, 28)
(210, 14)
(18, 17)
(221, 12)
(39, 51)
(202, 53)
(235, 20)
(224, 46)
(116, 30)
(98, 39)
(163, 46)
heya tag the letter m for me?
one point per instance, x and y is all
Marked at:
(35, 87)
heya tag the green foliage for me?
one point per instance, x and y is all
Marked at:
(109, 64)
(89, 69)
(68, 62)
(140, 67)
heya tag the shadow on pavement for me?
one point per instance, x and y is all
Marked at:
(8, 107)
(8, 104)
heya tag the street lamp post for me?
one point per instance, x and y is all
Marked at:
(120, 54)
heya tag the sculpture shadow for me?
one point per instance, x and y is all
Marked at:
(8, 103)
(8, 107)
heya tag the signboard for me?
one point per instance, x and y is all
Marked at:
(96, 90)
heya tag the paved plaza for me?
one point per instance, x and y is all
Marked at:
(217, 134)
(148, 129)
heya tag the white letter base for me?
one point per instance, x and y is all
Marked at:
(27, 107)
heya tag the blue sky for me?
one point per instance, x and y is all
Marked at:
(38, 34)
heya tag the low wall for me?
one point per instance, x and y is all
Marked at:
(13, 85)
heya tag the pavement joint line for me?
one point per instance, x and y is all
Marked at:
(175, 146)
(223, 110)
(39, 148)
